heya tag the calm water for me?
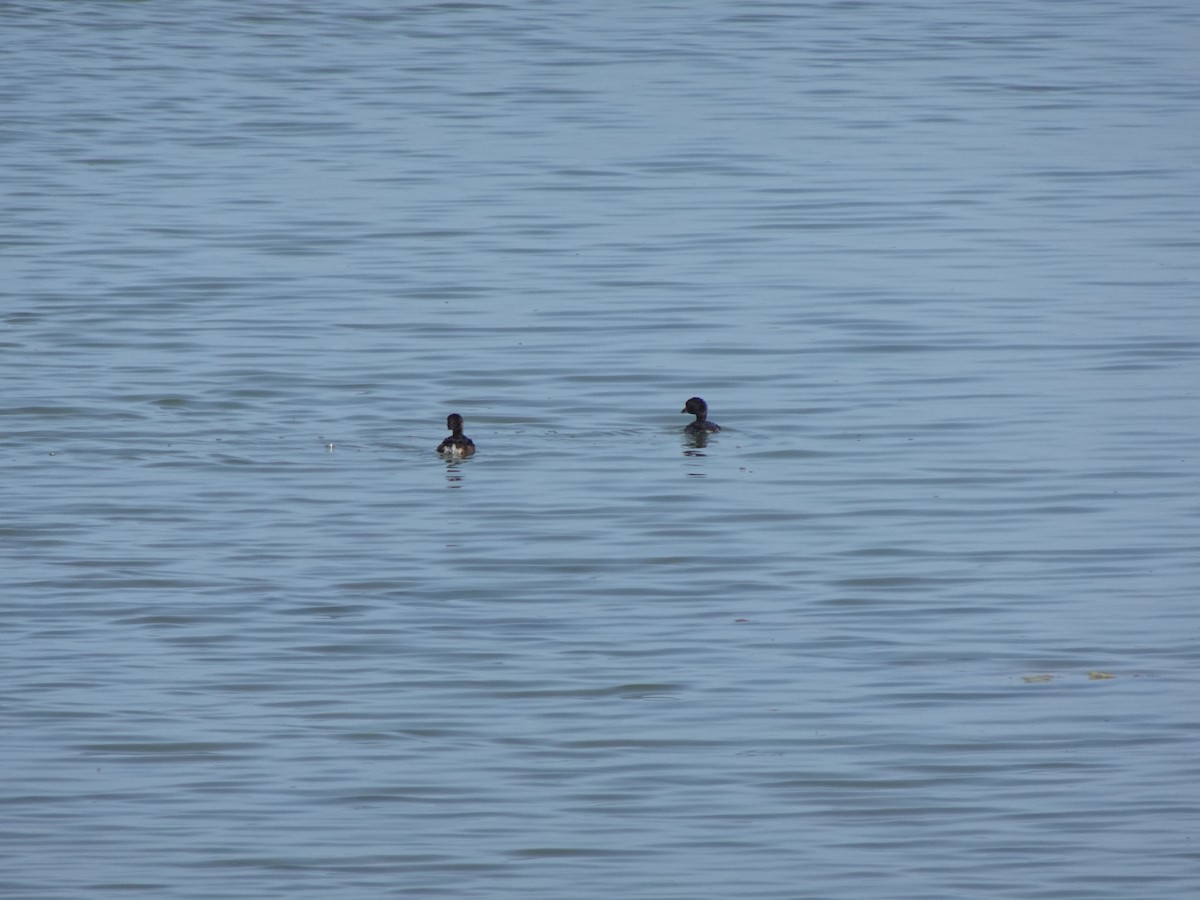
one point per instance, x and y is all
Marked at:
(920, 622)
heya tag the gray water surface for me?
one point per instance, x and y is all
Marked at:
(920, 622)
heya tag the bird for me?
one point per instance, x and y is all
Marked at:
(699, 409)
(457, 444)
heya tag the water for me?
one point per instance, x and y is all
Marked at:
(920, 622)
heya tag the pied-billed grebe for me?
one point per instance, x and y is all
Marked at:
(699, 409)
(458, 444)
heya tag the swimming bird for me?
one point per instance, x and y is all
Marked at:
(458, 444)
(699, 409)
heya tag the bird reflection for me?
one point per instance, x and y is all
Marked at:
(693, 448)
(454, 473)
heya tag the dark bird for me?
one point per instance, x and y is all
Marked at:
(458, 444)
(699, 409)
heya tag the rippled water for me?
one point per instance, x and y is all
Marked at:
(920, 622)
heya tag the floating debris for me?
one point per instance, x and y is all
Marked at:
(1041, 678)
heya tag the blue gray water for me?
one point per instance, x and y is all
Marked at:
(920, 622)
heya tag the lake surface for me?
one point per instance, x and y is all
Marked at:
(920, 622)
